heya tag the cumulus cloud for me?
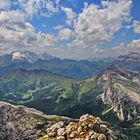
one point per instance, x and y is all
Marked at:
(11, 17)
(65, 34)
(136, 26)
(5, 4)
(133, 46)
(18, 34)
(70, 15)
(94, 52)
(37, 7)
(97, 24)
(16, 31)
(76, 53)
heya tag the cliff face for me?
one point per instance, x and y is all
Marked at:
(122, 93)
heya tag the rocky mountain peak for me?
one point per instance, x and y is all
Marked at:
(121, 92)
(25, 56)
(20, 56)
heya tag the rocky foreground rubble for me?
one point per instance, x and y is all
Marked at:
(86, 128)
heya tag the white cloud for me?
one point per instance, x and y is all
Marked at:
(18, 34)
(136, 26)
(58, 27)
(65, 34)
(97, 24)
(5, 4)
(133, 46)
(70, 15)
(37, 7)
(16, 31)
(11, 17)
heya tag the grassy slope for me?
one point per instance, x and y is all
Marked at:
(50, 93)
(55, 94)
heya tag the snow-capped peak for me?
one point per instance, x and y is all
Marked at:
(26, 55)
(17, 55)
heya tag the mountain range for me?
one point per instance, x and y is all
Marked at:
(77, 69)
(66, 67)
(114, 96)
(25, 56)
(102, 95)
(107, 89)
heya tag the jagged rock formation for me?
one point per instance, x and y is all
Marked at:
(122, 93)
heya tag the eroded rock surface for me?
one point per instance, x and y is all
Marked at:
(86, 128)
(22, 123)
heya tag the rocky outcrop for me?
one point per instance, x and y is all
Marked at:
(86, 128)
(21, 123)
(121, 93)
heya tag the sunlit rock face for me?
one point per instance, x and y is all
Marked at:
(121, 92)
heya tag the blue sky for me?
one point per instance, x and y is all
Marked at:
(76, 29)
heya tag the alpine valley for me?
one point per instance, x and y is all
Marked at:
(106, 89)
